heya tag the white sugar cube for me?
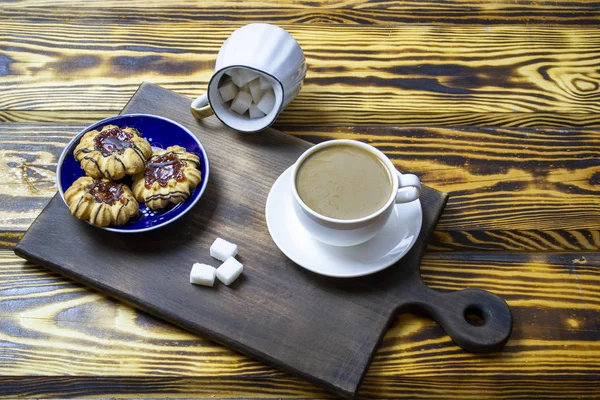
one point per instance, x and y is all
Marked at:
(228, 91)
(255, 91)
(241, 76)
(263, 83)
(227, 72)
(255, 112)
(248, 75)
(244, 88)
(222, 250)
(229, 271)
(235, 74)
(242, 102)
(267, 102)
(202, 274)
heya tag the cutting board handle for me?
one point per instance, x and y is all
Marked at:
(476, 320)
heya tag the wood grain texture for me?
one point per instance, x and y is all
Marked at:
(323, 12)
(382, 74)
(510, 189)
(52, 326)
(350, 12)
(56, 116)
(258, 388)
(86, 58)
(518, 120)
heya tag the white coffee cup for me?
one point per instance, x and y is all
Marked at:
(350, 232)
(267, 50)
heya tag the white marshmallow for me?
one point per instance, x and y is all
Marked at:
(255, 91)
(267, 102)
(255, 112)
(228, 91)
(242, 102)
(263, 83)
(222, 249)
(202, 274)
(229, 271)
(241, 76)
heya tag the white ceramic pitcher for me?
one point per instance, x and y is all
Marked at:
(267, 50)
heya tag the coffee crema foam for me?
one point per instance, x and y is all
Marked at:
(344, 182)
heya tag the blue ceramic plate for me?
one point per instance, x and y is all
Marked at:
(160, 132)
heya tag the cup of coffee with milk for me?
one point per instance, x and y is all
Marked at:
(344, 191)
(259, 70)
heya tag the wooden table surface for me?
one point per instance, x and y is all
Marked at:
(496, 103)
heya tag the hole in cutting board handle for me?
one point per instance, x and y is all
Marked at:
(475, 316)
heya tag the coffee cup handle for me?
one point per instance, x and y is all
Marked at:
(409, 188)
(200, 107)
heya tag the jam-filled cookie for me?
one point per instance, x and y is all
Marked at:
(101, 201)
(113, 152)
(169, 178)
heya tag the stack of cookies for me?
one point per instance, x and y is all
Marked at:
(160, 176)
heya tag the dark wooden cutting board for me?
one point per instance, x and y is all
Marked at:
(323, 329)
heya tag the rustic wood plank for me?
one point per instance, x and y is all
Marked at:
(381, 74)
(303, 4)
(320, 12)
(57, 116)
(516, 240)
(257, 388)
(515, 120)
(510, 189)
(52, 325)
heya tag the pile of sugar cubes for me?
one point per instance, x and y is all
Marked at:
(248, 92)
(229, 271)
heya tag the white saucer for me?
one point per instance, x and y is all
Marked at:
(395, 239)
